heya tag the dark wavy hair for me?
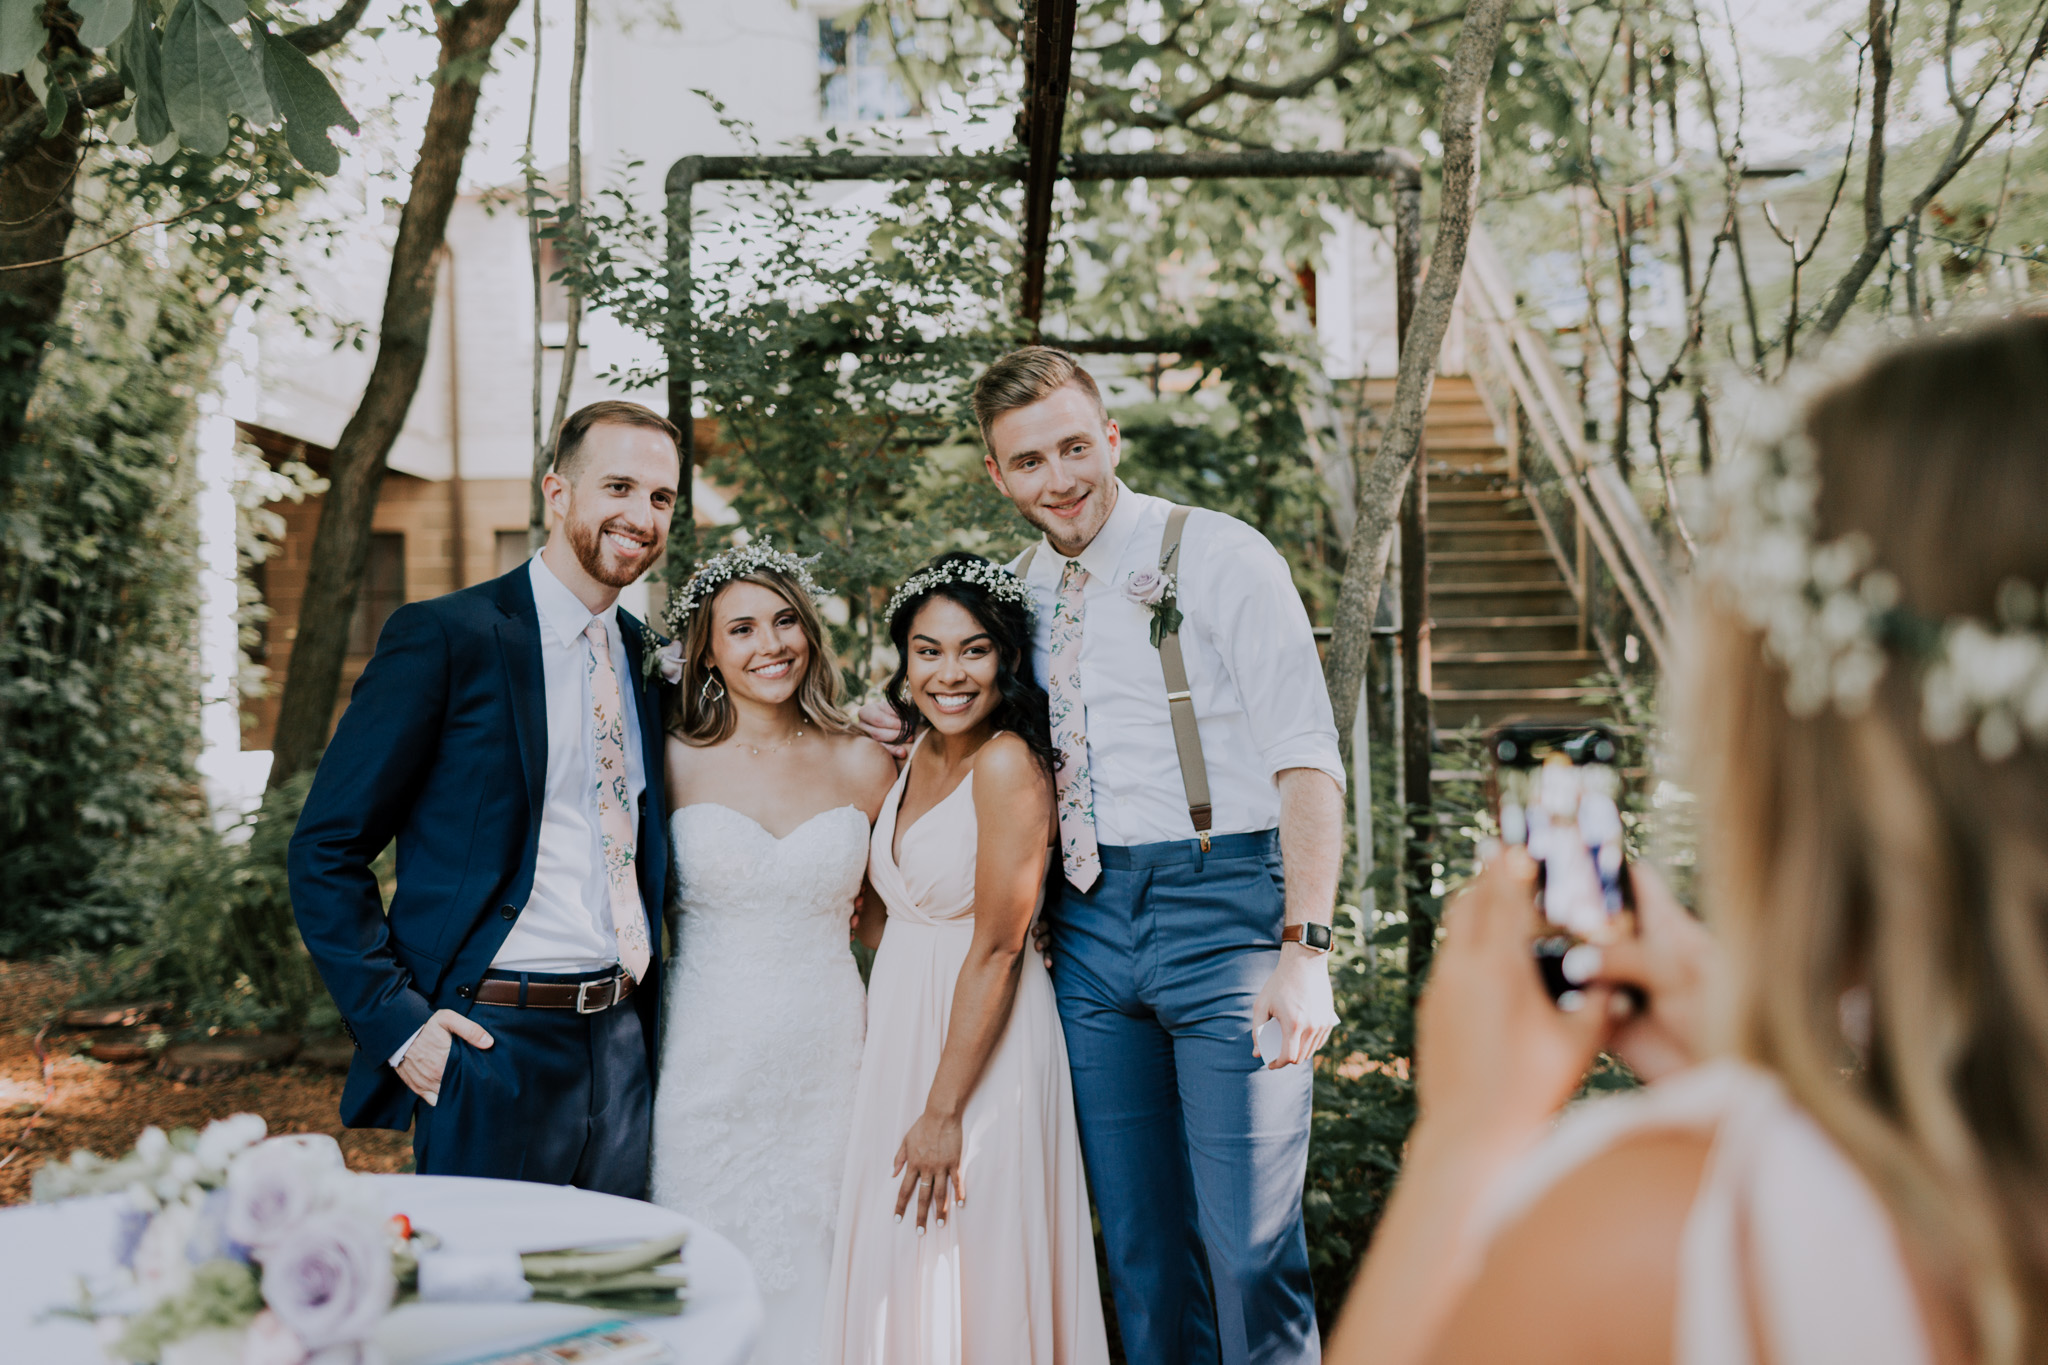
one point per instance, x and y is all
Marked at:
(1021, 705)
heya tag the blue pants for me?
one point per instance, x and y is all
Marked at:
(559, 1097)
(1196, 1154)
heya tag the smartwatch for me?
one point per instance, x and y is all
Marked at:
(1312, 936)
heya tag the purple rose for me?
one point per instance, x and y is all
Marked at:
(330, 1280)
(275, 1185)
(1147, 587)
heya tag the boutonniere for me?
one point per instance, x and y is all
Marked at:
(1157, 591)
(667, 657)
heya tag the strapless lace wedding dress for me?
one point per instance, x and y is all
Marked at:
(761, 1050)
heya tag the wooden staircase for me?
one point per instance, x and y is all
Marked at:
(1507, 639)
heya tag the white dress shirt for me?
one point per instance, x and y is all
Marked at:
(566, 924)
(1260, 704)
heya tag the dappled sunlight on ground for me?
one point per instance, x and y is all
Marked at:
(102, 1106)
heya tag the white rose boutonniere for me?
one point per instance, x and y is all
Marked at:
(1158, 591)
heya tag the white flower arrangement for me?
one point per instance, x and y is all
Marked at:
(236, 1250)
(996, 580)
(1158, 591)
(1833, 617)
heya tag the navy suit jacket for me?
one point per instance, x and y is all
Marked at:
(444, 747)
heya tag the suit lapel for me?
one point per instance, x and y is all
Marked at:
(519, 641)
(646, 700)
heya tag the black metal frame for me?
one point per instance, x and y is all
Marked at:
(1400, 169)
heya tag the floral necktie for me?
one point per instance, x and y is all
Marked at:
(615, 804)
(1079, 855)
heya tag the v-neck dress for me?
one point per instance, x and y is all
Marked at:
(1010, 1277)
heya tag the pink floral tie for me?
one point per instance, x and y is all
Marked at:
(615, 804)
(1079, 855)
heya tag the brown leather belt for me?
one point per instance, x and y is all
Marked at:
(585, 997)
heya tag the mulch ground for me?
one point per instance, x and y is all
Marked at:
(101, 1106)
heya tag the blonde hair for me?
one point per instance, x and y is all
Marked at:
(1845, 855)
(699, 720)
(1025, 376)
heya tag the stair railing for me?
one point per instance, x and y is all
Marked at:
(1590, 521)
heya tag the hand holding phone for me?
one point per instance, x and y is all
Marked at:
(1554, 788)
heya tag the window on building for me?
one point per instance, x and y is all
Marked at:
(512, 550)
(383, 591)
(554, 296)
(857, 78)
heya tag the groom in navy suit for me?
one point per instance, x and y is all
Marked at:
(504, 736)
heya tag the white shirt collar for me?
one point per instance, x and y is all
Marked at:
(1105, 553)
(562, 613)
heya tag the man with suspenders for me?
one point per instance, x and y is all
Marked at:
(1201, 811)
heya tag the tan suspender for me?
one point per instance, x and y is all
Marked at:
(1180, 701)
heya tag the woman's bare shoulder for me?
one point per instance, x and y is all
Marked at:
(1589, 1273)
(1006, 767)
(865, 767)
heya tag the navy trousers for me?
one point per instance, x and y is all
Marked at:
(1196, 1154)
(559, 1097)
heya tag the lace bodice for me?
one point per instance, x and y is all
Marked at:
(765, 1020)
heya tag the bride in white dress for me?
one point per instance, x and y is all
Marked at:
(773, 793)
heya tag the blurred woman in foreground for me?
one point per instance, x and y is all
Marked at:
(1858, 1170)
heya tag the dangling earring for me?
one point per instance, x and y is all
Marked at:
(704, 697)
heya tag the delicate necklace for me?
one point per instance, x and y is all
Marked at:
(757, 751)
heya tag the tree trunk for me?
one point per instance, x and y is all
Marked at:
(342, 543)
(1385, 478)
(35, 224)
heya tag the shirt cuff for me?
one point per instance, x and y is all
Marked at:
(406, 1046)
(1308, 751)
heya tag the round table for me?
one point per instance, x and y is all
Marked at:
(45, 1248)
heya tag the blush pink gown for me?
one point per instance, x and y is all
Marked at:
(1010, 1278)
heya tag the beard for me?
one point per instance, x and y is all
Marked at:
(587, 541)
(1070, 538)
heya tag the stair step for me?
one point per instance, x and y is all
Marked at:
(1475, 496)
(1498, 622)
(1514, 656)
(1495, 589)
(1488, 557)
(1478, 527)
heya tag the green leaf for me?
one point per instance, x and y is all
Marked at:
(230, 11)
(21, 33)
(208, 74)
(102, 21)
(55, 108)
(138, 54)
(306, 99)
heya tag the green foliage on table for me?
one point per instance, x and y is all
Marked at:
(98, 601)
(224, 1296)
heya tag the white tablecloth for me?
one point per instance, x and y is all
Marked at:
(44, 1249)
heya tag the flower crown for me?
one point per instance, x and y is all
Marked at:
(1831, 616)
(727, 565)
(998, 581)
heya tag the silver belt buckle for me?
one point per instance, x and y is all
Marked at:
(583, 1005)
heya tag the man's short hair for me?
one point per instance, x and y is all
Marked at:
(609, 412)
(1028, 376)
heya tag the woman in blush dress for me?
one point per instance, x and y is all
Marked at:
(963, 1084)
(772, 795)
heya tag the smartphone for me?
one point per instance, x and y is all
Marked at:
(1554, 789)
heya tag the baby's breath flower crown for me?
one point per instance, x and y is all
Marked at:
(727, 565)
(999, 582)
(1831, 615)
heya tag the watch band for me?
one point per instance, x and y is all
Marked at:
(1315, 936)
